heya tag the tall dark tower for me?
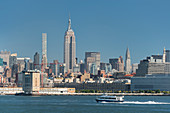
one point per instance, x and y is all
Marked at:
(37, 61)
(69, 48)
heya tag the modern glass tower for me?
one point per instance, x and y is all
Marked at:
(69, 48)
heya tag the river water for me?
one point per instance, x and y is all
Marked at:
(82, 104)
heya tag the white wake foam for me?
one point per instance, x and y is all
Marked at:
(137, 102)
(148, 102)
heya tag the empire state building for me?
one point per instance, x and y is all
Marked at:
(69, 48)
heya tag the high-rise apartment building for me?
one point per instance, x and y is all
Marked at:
(36, 61)
(128, 62)
(69, 48)
(44, 51)
(92, 58)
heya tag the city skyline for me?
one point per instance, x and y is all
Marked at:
(100, 29)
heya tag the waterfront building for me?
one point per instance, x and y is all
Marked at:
(36, 61)
(56, 90)
(153, 65)
(44, 52)
(151, 82)
(95, 86)
(69, 48)
(5, 56)
(92, 58)
(128, 62)
(31, 81)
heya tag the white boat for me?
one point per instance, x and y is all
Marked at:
(105, 98)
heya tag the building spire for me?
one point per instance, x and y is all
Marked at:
(69, 23)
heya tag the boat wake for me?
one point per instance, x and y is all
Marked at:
(148, 102)
(137, 102)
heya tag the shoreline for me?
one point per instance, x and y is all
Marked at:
(93, 94)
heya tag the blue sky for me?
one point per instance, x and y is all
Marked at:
(107, 26)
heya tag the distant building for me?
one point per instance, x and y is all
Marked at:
(1, 62)
(5, 56)
(76, 68)
(7, 72)
(93, 68)
(167, 56)
(82, 67)
(12, 59)
(106, 66)
(134, 67)
(117, 64)
(62, 69)
(69, 48)
(92, 58)
(31, 81)
(24, 63)
(55, 69)
(153, 65)
(127, 62)
(36, 61)
(44, 52)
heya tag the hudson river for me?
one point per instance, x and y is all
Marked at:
(83, 104)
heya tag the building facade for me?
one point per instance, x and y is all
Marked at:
(31, 81)
(117, 64)
(92, 58)
(5, 56)
(36, 61)
(128, 62)
(167, 56)
(69, 48)
(153, 65)
(154, 82)
(44, 52)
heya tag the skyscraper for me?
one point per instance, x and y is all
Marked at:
(36, 61)
(44, 51)
(69, 48)
(117, 63)
(92, 58)
(128, 62)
